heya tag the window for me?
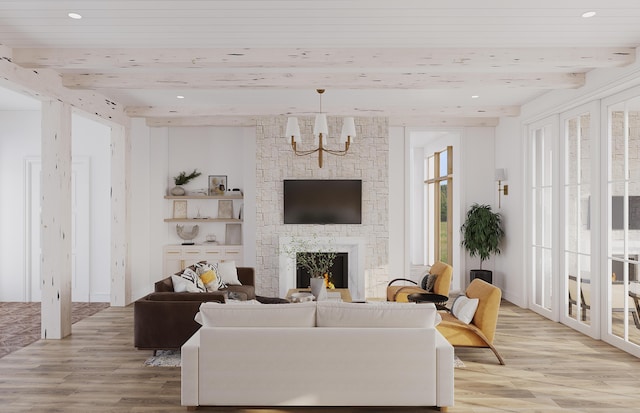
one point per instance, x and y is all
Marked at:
(439, 182)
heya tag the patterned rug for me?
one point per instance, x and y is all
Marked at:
(164, 358)
(171, 358)
(20, 322)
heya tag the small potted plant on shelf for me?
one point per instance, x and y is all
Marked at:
(183, 179)
(481, 235)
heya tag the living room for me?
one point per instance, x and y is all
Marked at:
(128, 231)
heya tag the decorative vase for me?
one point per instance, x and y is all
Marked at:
(318, 288)
(177, 191)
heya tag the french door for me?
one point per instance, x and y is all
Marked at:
(543, 241)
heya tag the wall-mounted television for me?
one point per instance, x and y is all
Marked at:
(322, 201)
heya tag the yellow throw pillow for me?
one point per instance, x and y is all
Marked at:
(208, 276)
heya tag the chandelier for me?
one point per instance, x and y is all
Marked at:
(320, 133)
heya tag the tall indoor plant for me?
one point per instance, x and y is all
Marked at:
(482, 233)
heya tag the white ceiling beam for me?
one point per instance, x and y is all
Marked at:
(234, 112)
(322, 80)
(45, 84)
(236, 121)
(250, 121)
(439, 121)
(534, 59)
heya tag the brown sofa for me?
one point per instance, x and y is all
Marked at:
(163, 320)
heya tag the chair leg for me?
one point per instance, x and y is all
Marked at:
(495, 351)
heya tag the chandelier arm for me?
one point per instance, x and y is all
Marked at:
(304, 153)
(336, 153)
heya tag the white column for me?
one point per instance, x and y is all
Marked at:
(56, 220)
(120, 227)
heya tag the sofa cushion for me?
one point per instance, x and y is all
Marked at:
(252, 315)
(375, 314)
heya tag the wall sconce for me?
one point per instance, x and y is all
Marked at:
(501, 175)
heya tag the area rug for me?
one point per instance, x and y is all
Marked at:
(171, 358)
(164, 358)
(20, 322)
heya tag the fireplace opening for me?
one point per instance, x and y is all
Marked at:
(339, 272)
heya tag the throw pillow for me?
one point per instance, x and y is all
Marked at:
(190, 275)
(228, 272)
(213, 284)
(431, 282)
(181, 285)
(464, 308)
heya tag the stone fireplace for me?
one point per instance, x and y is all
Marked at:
(353, 247)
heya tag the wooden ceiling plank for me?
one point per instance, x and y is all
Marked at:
(564, 59)
(247, 121)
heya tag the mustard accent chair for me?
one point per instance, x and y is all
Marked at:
(443, 283)
(481, 331)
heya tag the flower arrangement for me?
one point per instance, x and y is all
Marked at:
(318, 264)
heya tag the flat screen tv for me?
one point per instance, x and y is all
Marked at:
(322, 201)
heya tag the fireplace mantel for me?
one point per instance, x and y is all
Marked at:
(354, 246)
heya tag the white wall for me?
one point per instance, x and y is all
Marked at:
(93, 140)
(20, 138)
(509, 267)
(159, 154)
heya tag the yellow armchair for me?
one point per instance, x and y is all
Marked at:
(481, 331)
(443, 283)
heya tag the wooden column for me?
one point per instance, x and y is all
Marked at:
(120, 227)
(56, 220)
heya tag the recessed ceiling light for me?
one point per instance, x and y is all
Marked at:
(475, 96)
(74, 16)
(179, 97)
(588, 14)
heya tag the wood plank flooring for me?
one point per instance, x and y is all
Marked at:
(550, 368)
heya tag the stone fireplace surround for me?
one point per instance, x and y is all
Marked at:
(353, 246)
(366, 160)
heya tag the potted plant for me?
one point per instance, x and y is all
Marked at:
(317, 264)
(481, 235)
(183, 179)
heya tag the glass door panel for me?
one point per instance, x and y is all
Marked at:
(577, 218)
(623, 203)
(541, 212)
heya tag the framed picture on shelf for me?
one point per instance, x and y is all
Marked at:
(225, 208)
(217, 184)
(233, 234)
(180, 209)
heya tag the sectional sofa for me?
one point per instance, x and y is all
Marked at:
(317, 354)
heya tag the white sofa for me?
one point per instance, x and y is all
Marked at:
(317, 354)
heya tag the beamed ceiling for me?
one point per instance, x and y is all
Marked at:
(419, 62)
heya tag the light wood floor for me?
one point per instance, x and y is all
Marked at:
(550, 368)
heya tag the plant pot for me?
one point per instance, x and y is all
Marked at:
(177, 191)
(485, 275)
(318, 288)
